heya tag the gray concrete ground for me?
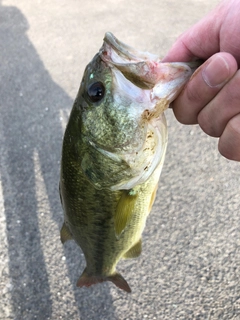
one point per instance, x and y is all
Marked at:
(190, 265)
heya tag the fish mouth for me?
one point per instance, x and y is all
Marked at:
(143, 69)
(135, 65)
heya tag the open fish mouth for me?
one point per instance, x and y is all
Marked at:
(144, 69)
(137, 66)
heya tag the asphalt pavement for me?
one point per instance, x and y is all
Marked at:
(190, 264)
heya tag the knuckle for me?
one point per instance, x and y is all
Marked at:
(229, 142)
(219, 112)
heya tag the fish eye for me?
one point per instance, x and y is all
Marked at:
(96, 91)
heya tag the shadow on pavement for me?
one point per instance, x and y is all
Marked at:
(30, 102)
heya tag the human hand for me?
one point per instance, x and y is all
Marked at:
(211, 98)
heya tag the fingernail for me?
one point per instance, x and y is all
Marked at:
(216, 72)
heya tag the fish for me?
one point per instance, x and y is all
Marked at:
(112, 154)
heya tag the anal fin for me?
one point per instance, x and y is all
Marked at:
(65, 233)
(134, 251)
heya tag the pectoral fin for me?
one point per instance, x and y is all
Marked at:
(124, 211)
(135, 251)
(65, 233)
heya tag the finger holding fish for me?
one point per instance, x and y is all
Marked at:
(211, 99)
(204, 88)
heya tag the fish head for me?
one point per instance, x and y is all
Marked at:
(123, 89)
(122, 97)
(111, 105)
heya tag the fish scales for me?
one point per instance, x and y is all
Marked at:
(112, 155)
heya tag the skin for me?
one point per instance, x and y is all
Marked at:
(212, 97)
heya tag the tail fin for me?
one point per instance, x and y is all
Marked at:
(86, 280)
(119, 281)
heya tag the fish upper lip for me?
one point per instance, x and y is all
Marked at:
(117, 52)
(120, 47)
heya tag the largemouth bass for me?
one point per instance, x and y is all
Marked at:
(113, 152)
